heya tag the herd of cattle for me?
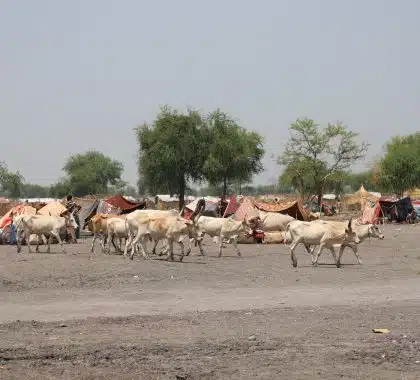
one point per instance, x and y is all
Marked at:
(169, 226)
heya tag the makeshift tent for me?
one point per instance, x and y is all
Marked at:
(395, 209)
(89, 207)
(292, 208)
(124, 204)
(357, 201)
(232, 207)
(210, 208)
(54, 208)
(5, 205)
(17, 210)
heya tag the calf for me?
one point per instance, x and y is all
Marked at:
(325, 235)
(44, 224)
(225, 229)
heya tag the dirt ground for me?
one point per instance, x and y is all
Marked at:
(76, 316)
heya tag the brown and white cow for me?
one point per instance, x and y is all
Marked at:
(325, 235)
(44, 225)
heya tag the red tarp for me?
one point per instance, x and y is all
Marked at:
(232, 207)
(123, 204)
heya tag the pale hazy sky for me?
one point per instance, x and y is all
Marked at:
(82, 74)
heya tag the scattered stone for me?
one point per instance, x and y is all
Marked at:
(252, 337)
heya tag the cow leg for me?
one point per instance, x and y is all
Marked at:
(27, 237)
(37, 243)
(95, 236)
(144, 249)
(128, 241)
(292, 253)
(340, 254)
(315, 260)
(189, 247)
(356, 252)
(181, 244)
(220, 245)
(171, 250)
(333, 254)
(18, 242)
(57, 236)
(113, 243)
(235, 244)
(108, 245)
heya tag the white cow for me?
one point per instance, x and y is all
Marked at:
(270, 221)
(169, 228)
(44, 224)
(325, 235)
(225, 229)
(132, 225)
(363, 232)
(116, 227)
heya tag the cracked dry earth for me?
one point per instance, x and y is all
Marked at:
(76, 316)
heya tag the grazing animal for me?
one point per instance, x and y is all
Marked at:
(42, 225)
(225, 229)
(325, 235)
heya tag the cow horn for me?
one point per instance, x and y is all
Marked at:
(201, 204)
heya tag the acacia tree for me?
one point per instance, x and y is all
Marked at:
(89, 173)
(317, 154)
(399, 169)
(172, 151)
(234, 153)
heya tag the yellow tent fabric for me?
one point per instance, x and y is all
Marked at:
(54, 208)
(358, 200)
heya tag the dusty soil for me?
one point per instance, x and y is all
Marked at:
(77, 316)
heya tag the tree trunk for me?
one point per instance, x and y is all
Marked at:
(181, 192)
(224, 186)
(319, 198)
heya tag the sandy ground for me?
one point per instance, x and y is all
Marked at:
(76, 316)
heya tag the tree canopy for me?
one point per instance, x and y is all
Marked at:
(172, 151)
(11, 184)
(89, 173)
(234, 154)
(313, 155)
(399, 169)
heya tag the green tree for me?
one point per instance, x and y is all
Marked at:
(399, 169)
(319, 153)
(11, 184)
(90, 173)
(30, 190)
(234, 153)
(172, 151)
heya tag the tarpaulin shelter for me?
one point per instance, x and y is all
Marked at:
(395, 209)
(126, 206)
(6, 220)
(250, 208)
(54, 208)
(232, 206)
